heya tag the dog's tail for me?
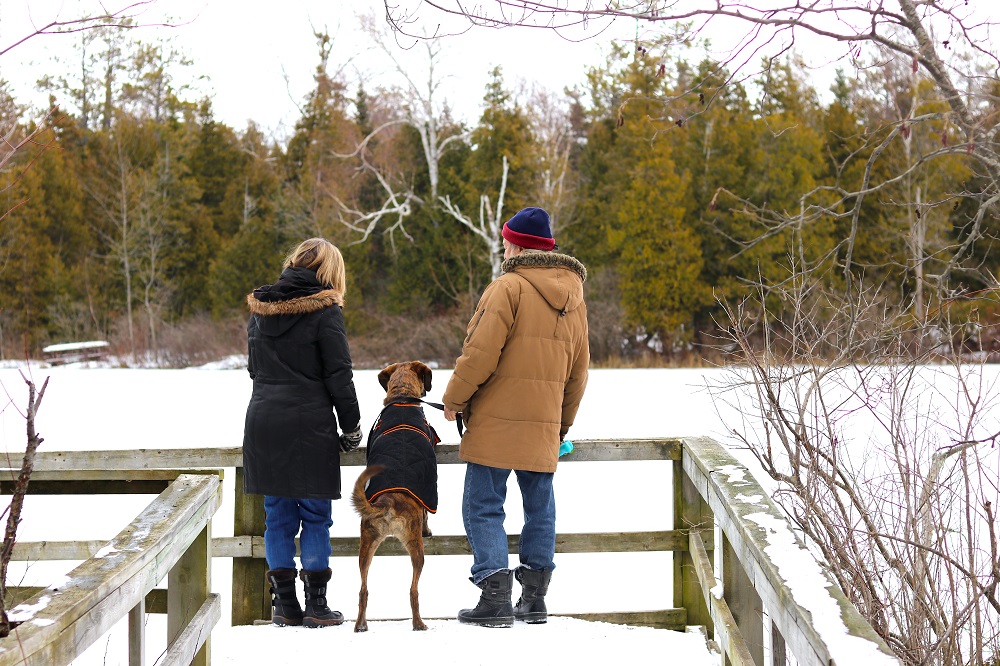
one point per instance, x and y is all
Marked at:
(358, 499)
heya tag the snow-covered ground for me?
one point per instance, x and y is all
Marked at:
(88, 408)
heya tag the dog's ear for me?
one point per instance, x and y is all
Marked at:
(424, 373)
(383, 377)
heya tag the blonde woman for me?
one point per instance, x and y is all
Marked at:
(303, 385)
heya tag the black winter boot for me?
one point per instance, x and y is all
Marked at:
(494, 609)
(530, 607)
(318, 614)
(285, 609)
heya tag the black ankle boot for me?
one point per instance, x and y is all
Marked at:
(494, 609)
(318, 614)
(285, 609)
(530, 607)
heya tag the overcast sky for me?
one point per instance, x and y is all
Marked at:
(260, 58)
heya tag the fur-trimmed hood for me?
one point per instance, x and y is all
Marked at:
(537, 258)
(296, 293)
(295, 306)
(557, 277)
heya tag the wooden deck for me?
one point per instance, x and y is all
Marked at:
(727, 593)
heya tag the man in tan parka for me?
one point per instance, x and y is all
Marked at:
(518, 385)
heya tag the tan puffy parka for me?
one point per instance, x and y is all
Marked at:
(523, 368)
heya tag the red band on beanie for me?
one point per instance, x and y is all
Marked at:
(527, 241)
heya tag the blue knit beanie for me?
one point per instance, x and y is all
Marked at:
(530, 228)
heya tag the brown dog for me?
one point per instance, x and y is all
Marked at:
(399, 487)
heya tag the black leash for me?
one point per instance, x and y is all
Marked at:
(458, 420)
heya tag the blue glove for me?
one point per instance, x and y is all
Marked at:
(565, 447)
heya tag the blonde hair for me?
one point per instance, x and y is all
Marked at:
(322, 256)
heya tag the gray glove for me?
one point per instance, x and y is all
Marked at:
(350, 441)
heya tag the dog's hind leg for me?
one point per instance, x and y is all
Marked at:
(415, 547)
(371, 539)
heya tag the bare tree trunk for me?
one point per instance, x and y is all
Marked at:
(490, 222)
(17, 499)
(124, 241)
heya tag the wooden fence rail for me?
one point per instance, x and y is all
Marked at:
(169, 539)
(741, 597)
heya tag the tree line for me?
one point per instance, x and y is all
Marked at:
(132, 214)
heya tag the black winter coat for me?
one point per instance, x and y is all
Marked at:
(300, 364)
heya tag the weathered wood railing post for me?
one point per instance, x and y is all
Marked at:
(188, 585)
(691, 512)
(251, 599)
(137, 634)
(743, 601)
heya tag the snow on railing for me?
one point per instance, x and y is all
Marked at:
(776, 597)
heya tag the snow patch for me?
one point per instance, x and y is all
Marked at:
(60, 581)
(234, 362)
(104, 552)
(717, 591)
(43, 622)
(811, 590)
(25, 612)
(749, 499)
(735, 473)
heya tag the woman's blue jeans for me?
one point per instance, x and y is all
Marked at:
(283, 517)
(483, 515)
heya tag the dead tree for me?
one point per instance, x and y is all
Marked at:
(487, 229)
(888, 468)
(17, 498)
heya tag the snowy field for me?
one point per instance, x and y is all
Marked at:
(100, 408)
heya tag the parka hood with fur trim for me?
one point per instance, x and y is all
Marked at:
(558, 289)
(297, 292)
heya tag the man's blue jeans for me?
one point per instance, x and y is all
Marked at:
(283, 516)
(483, 515)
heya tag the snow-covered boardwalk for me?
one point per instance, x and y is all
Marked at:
(568, 640)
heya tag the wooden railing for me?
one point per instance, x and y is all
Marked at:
(749, 608)
(169, 539)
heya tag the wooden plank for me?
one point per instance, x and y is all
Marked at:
(193, 642)
(189, 583)
(726, 485)
(743, 602)
(584, 450)
(89, 487)
(137, 634)
(251, 599)
(778, 654)
(117, 474)
(674, 619)
(131, 459)
(33, 551)
(727, 631)
(58, 624)
(601, 542)
(155, 600)
(102, 482)
(691, 512)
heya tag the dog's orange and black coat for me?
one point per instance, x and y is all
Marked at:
(403, 443)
